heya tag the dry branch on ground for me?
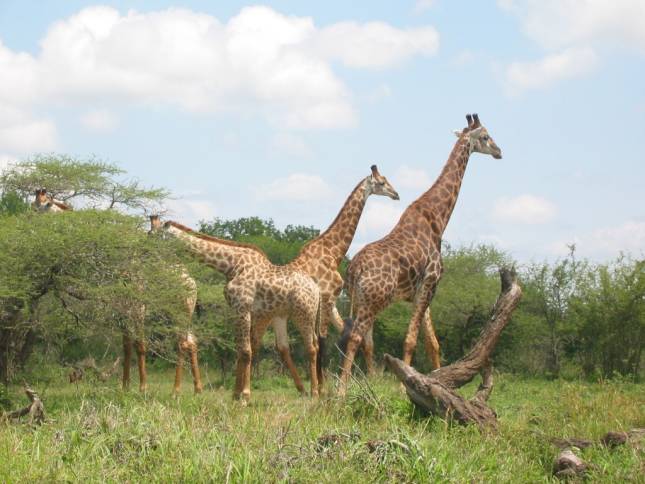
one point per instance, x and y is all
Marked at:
(35, 410)
(436, 392)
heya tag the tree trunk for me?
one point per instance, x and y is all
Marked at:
(435, 393)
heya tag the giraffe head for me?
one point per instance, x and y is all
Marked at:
(478, 137)
(377, 184)
(155, 224)
(41, 196)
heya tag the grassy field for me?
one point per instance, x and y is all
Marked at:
(96, 432)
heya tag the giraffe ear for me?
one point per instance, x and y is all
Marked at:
(474, 133)
(457, 132)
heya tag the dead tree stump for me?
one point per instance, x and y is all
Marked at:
(435, 393)
(35, 410)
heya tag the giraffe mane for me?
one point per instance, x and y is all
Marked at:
(199, 235)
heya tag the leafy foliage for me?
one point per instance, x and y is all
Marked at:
(67, 178)
(92, 270)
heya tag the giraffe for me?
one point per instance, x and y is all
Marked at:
(46, 203)
(406, 264)
(258, 291)
(186, 342)
(320, 259)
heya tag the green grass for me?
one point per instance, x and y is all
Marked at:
(97, 433)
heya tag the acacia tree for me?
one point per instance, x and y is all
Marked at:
(90, 267)
(92, 182)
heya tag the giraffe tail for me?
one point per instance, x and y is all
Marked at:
(322, 342)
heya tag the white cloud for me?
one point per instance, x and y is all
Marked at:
(20, 133)
(412, 178)
(607, 242)
(380, 92)
(189, 211)
(375, 44)
(298, 187)
(379, 217)
(573, 32)
(100, 120)
(423, 5)
(525, 209)
(561, 23)
(568, 64)
(260, 62)
(291, 145)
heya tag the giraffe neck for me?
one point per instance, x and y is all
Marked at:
(436, 205)
(339, 235)
(222, 255)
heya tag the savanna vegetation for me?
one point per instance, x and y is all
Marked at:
(570, 362)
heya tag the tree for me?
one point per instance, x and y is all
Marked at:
(549, 290)
(610, 307)
(89, 268)
(91, 181)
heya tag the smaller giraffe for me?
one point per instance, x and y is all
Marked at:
(187, 343)
(258, 291)
(320, 258)
(46, 203)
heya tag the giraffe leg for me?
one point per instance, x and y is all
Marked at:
(282, 345)
(410, 342)
(244, 352)
(367, 344)
(257, 332)
(127, 357)
(430, 340)
(368, 351)
(312, 352)
(306, 323)
(423, 298)
(179, 365)
(140, 346)
(194, 364)
(364, 321)
(329, 314)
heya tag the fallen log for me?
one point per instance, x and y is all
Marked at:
(35, 410)
(567, 464)
(435, 393)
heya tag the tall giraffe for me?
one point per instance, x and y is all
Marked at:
(320, 259)
(406, 263)
(186, 341)
(258, 291)
(45, 203)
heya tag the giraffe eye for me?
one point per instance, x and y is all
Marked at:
(485, 137)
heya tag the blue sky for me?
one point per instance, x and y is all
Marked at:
(278, 109)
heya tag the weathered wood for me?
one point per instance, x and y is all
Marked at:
(567, 464)
(435, 393)
(35, 410)
(465, 369)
